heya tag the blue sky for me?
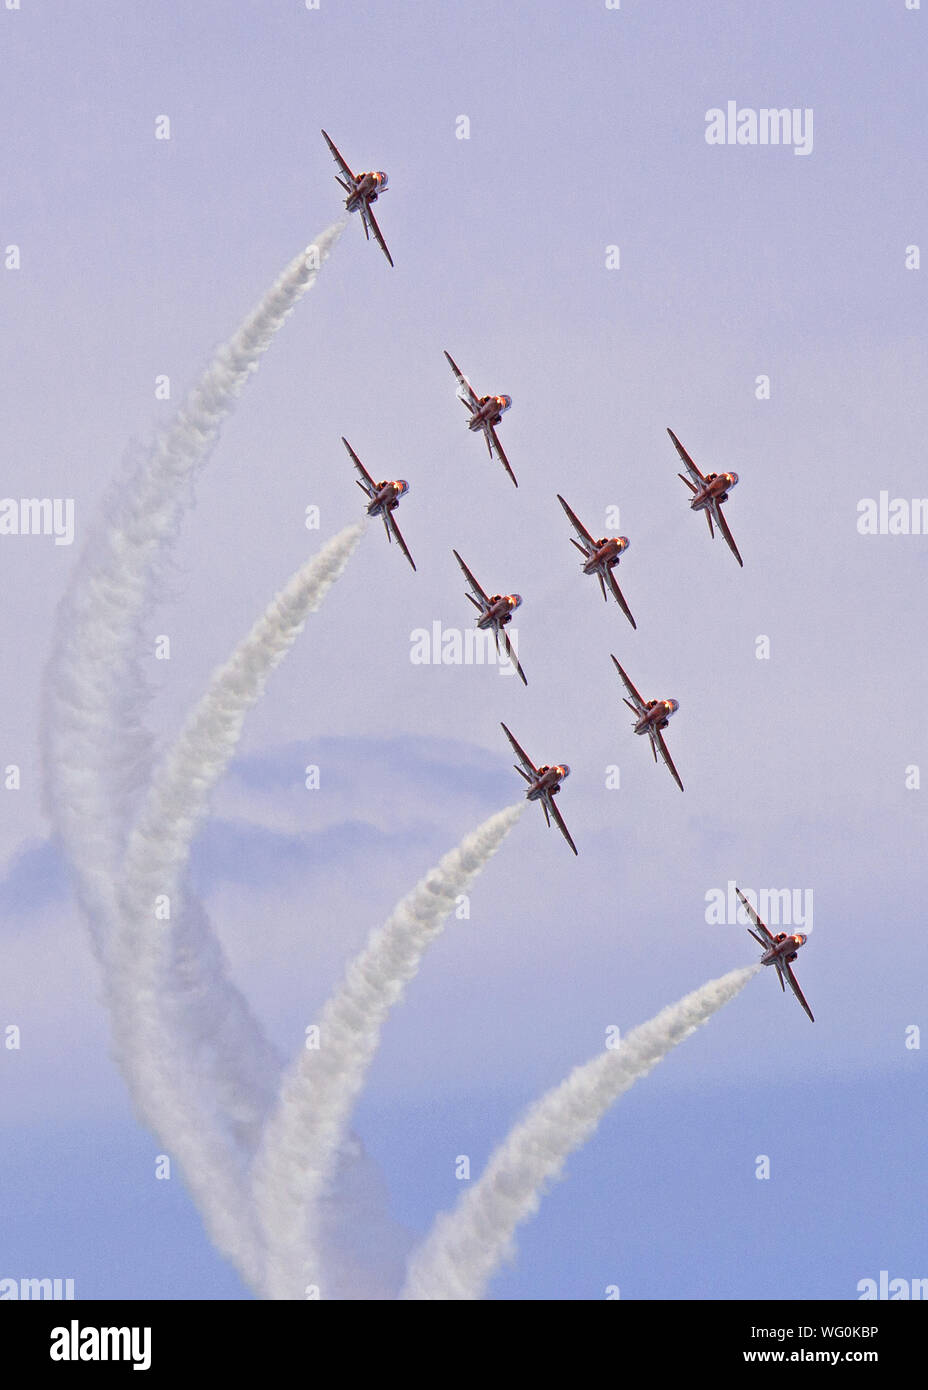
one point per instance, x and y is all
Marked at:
(586, 131)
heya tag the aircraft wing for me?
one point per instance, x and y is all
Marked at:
(472, 400)
(478, 592)
(667, 758)
(723, 527)
(588, 542)
(768, 939)
(521, 754)
(794, 984)
(370, 487)
(377, 232)
(497, 448)
(688, 463)
(346, 172)
(510, 652)
(617, 594)
(388, 518)
(640, 705)
(560, 823)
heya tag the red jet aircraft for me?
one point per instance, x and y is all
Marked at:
(651, 718)
(600, 558)
(494, 612)
(362, 190)
(709, 494)
(485, 414)
(544, 783)
(779, 950)
(384, 499)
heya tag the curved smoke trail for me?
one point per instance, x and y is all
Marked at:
(296, 1163)
(96, 749)
(466, 1246)
(189, 1096)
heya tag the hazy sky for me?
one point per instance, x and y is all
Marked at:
(586, 132)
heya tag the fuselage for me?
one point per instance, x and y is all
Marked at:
(656, 715)
(489, 411)
(366, 188)
(548, 782)
(785, 949)
(607, 553)
(387, 497)
(500, 611)
(717, 488)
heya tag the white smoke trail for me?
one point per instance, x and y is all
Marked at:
(146, 974)
(96, 750)
(296, 1162)
(465, 1246)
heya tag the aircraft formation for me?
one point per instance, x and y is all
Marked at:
(708, 493)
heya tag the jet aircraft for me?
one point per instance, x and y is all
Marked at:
(384, 499)
(362, 190)
(544, 783)
(600, 558)
(709, 492)
(779, 950)
(651, 718)
(485, 414)
(495, 611)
